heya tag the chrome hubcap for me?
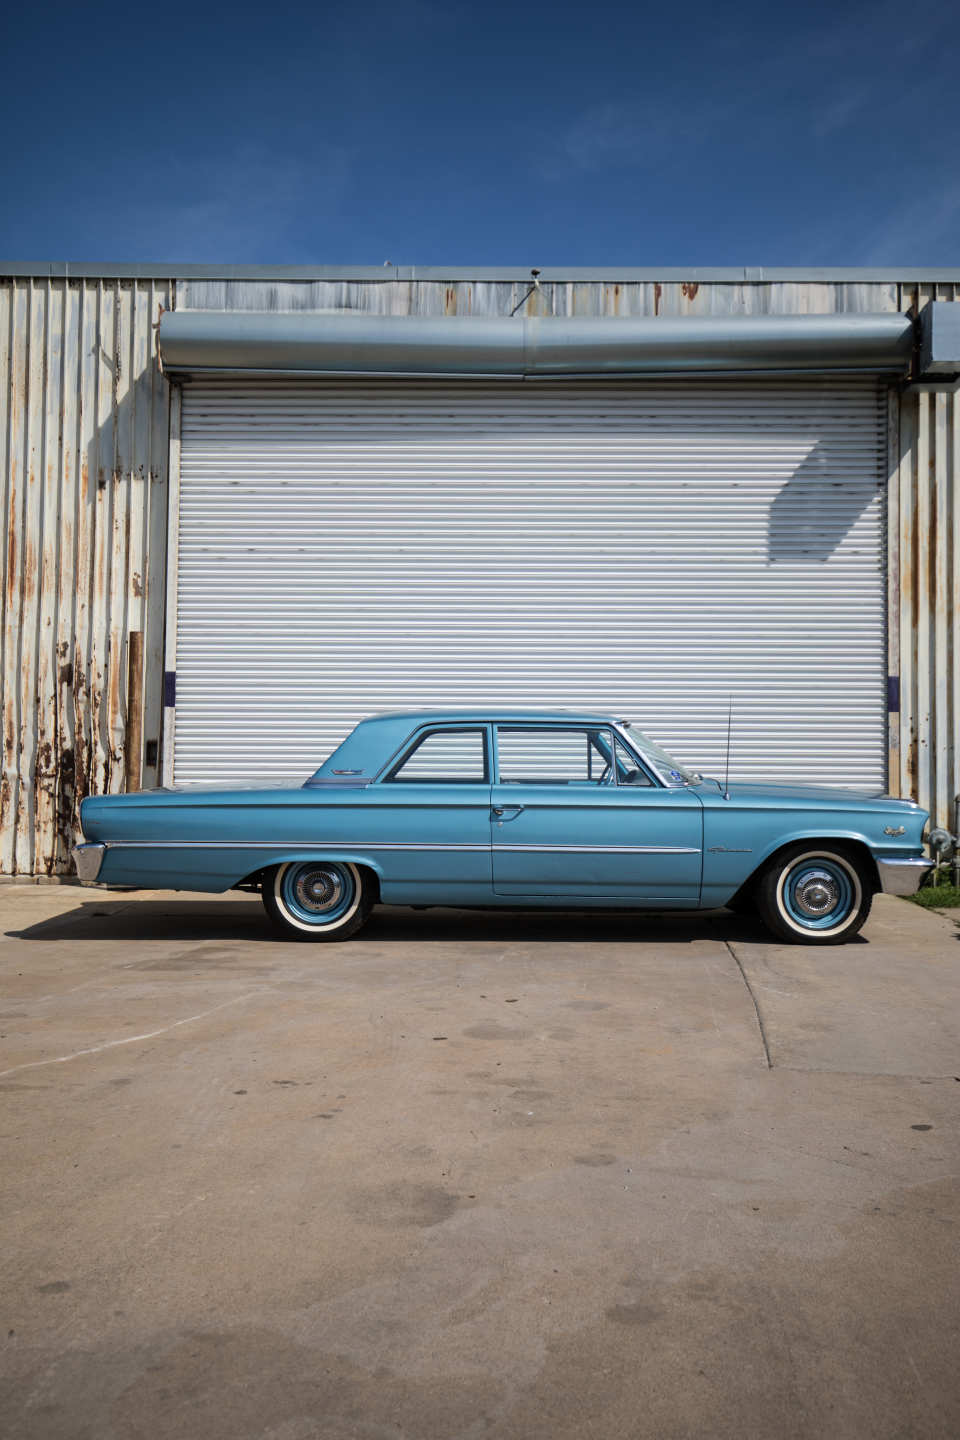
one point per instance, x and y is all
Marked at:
(817, 893)
(319, 890)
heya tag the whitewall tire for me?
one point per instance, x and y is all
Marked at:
(814, 895)
(317, 899)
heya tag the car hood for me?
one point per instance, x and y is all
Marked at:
(772, 795)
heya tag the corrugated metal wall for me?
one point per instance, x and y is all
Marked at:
(924, 589)
(84, 419)
(83, 456)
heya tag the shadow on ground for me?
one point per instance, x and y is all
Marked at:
(244, 920)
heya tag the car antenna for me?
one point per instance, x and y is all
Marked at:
(726, 777)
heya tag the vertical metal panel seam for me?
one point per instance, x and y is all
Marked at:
(892, 553)
(11, 702)
(44, 770)
(66, 675)
(953, 658)
(173, 566)
(939, 599)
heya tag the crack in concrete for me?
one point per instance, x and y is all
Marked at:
(129, 1039)
(756, 1007)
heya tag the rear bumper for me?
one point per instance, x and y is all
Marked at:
(88, 859)
(903, 877)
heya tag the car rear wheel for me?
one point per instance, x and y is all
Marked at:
(814, 895)
(317, 899)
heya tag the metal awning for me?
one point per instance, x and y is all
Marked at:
(530, 347)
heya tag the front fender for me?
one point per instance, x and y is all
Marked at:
(731, 866)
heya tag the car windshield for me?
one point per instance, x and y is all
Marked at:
(671, 772)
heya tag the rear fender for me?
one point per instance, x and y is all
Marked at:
(210, 868)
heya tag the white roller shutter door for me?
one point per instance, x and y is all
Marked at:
(646, 548)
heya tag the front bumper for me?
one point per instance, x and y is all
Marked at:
(88, 859)
(903, 877)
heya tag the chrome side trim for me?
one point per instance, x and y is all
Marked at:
(605, 849)
(286, 845)
(903, 877)
(88, 859)
(392, 845)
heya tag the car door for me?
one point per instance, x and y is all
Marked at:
(564, 823)
(430, 818)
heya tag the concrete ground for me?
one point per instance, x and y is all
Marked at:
(474, 1176)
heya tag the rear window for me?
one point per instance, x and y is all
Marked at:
(446, 757)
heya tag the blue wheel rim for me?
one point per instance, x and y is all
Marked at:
(818, 893)
(318, 893)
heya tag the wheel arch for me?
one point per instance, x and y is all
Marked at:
(853, 845)
(360, 859)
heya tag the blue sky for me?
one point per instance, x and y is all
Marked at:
(469, 134)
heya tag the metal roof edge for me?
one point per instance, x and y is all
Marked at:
(386, 274)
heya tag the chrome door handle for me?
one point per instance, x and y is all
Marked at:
(500, 810)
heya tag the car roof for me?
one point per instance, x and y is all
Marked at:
(375, 741)
(492, 713)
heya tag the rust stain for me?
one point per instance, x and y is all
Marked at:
(84, 479)
(44, 790)
(66, 803)
(114, 702)
(11, 566)
(450, 301)
(657, 296)
(136, 585)
(912, 763)
(690, 288)
(29, 570)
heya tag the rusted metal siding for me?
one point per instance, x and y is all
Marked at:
(924, 589)
(84, 447)
(586, 297)
(83, 456)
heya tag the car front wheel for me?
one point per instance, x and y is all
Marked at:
(814, 895)
(317, 899)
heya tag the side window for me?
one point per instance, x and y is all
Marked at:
(447, 757)
(629, 771)
(554, 757)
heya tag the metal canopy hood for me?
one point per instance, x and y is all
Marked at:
(350, 343)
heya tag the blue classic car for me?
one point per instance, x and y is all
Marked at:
(516, 809)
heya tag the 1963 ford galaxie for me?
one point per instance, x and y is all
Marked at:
(515, 809)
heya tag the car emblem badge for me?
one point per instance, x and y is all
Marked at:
(895, 830)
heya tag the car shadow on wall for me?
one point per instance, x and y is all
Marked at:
(243, 920)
